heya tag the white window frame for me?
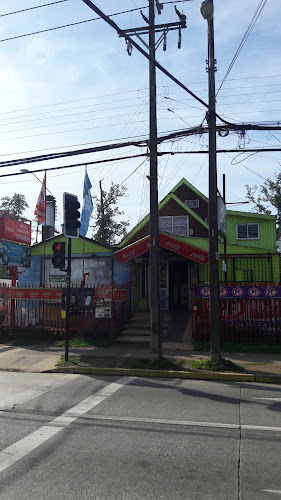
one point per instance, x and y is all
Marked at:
(175, 217)
(248, 224)
(195, 203)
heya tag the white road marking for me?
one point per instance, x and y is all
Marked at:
(18, 450)
(269, 399)
(29, 394)
(188, 423)
(277, 492)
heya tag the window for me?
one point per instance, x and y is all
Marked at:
(192, 203)
(177, 225)
(247, 231)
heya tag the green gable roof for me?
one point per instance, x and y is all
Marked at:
(250, 214)
(144, 221)
(190, 186)
(79, 246)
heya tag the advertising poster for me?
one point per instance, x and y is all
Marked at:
(14, 255)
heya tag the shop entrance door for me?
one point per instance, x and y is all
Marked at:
(179, 284)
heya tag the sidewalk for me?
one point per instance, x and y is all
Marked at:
(116, 360)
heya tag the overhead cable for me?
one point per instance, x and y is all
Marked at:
(242, 43)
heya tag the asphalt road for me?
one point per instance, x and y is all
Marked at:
(108, 438)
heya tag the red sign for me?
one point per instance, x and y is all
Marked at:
(14, 230)
(119, 294)
(103, 292)
(182, 248)
(134, 250)
(166, 241)
(32, 293)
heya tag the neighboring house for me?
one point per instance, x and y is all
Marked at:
(88, 256)
(183, 225)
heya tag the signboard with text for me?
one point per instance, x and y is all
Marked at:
(14, 255)
(14, 230)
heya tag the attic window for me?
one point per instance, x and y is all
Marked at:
(192, 203)
(177, 225)
(247, 231)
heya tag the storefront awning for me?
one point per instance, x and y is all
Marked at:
(166, 241)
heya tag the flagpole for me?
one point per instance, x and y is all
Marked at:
(86, 214)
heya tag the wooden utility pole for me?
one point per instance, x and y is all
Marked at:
(156, 345)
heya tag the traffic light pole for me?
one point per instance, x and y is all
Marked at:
(67, 317)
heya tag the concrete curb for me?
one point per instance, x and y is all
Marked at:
(195, 375)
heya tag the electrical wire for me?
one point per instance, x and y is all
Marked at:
(32, 8)
(253, 21)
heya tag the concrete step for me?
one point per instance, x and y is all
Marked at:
(135, 333)
(135, 341)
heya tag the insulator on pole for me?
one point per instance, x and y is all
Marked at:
(159, 6)
(129, 47)
(164, 41)
(179, 39)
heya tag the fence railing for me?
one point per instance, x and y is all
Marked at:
(94, 311)
(249, 312)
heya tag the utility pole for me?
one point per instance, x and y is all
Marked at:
(150, 28)
(207, 10)
(156, 345)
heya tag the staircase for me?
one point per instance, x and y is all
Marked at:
(136, 333)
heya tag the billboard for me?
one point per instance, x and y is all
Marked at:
(14, 230)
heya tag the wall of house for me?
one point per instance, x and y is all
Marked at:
(172, 208)
(246, 268)
(185, 193)
(31, 276)
(267, 238)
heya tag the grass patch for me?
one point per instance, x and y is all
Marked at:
(148, 364)
(241, 347)
(72, 361)
(224, 365)
(80, 342)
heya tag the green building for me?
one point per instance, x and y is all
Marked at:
(247, 255)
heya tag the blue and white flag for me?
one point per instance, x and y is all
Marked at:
(87, 206)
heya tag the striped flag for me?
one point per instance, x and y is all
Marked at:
(40, 210)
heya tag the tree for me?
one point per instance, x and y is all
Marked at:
(266, 196)
(107, 227)
(14, 206)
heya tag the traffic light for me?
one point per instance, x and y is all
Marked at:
(58, 259)
(71, 215)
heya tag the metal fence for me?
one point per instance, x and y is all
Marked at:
(98, 311)
(244, 318)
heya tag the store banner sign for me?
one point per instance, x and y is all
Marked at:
(245, 292)
(14, 255)
(31, 293)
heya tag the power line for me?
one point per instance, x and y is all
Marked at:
(32, 8)
(74, 165)
(243, 41)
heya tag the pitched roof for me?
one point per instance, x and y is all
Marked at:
(170, 196)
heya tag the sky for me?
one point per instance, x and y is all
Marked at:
(76, 87)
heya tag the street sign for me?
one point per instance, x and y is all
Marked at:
(55, 278)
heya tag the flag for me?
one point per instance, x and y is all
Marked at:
(87, 206)
(40, 210)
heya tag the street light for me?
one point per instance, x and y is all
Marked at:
(207, 11)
